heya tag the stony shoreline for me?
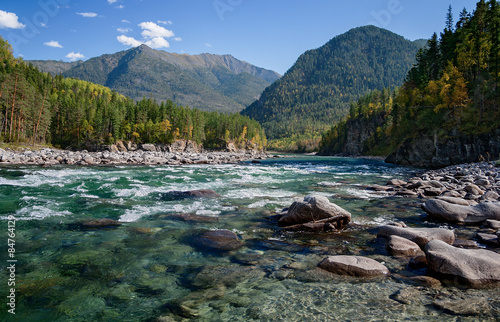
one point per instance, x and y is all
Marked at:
(457, 196)
(52, 157)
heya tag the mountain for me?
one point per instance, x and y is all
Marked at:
(36, 107)
(208, 82)
(316, 91)
(447, 112)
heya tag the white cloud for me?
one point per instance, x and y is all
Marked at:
(129, 41)
(152, 30)
(74, 56)
(153, 36)
(123, 30)
(53, 43)
(208, 45)
(43, 25)
(112, 1)
(125, 21)
(87, 14)
(158, 42)
(119, 7)
(165, 22)
(10, 20)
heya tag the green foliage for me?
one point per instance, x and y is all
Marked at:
(36, 107)
(453, 88)
(317, 90)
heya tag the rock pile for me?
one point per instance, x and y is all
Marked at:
(144, 156)
(474, 183)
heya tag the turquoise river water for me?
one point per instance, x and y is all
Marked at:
(151, 267)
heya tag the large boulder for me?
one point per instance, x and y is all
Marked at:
(420, 236)
(314, 208)
(358, 266)
(472, 267)
(399, 246)
(450, 212)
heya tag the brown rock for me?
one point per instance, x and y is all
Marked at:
(418, 262)
(312, 209)
(426, 281)
(101, 223)
(220, 240)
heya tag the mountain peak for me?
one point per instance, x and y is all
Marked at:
(206, 81)
(316, 91)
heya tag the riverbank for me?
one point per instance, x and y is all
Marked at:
(51, 157)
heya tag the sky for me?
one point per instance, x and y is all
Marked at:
(267, 33)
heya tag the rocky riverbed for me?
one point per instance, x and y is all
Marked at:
(50, 157)
(179, 242)
(461, 195)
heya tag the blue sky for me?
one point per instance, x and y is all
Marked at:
(267, 33)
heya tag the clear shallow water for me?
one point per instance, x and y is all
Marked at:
(150, 266)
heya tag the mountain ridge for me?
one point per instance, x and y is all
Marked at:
(205, 81)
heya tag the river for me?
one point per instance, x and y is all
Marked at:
(150, 266)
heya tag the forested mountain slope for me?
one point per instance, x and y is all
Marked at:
(36, 107)
(316, 91)
(447, 111)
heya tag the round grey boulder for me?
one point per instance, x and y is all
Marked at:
(399, 246)
(420, 236)
(358, 266)
(450, 212)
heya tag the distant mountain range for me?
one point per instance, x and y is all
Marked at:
(208, 82)
(317, 90)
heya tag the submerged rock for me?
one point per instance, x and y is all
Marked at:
(194, 218)
(421, 236)
(313, 209)
(450, 212)
(176, 195)
(472, 267)
(464, 307)
(101, 223)
(219, 240)
(212, 276)
(353, 266)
